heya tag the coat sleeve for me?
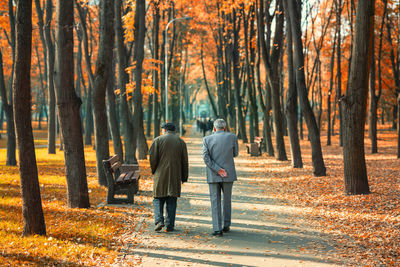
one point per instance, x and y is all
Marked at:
(208, 159)
(235, 146)
(185, 163)
(154, 156)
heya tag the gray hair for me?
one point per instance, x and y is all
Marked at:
(219, 124)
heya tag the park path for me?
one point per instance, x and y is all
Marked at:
(264, 231)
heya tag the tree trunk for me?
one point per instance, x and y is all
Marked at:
(374, 98)
(241, 118)
(103, 70)
(139, 137)
(68, 104)
(210, 97)
(373, 102)
(274, 79)
(156, 81)
(8, 110)
(291, 99)
(332, 65)
(398, 127)
(271, 63)
(355, 102)
(88, 117)
(127, 127)
(31, 200)
(51, 125)
(317, 158)
(339, 8)
(112, 117)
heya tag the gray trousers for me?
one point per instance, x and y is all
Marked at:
(215, 197)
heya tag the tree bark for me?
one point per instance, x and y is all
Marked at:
(112, 117)
(339, 8)
(317, 158)
(139, 137)
(51, 125)
(11, 134)
(291, 98)
(374, 98)
(236, 76)
(89, 116)
(127, 127)
(210, 97)
(102, 74)
(68, 104)
(398, 127)
(156, 81)
(355, 102)
(332, 65)
(8, 110)
(31, 200)
(271, 63)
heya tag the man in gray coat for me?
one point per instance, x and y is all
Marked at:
(169, 165)
(219, 149)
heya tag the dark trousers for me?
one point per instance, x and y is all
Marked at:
(158, 204)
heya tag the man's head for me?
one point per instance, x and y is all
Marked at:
(168, 127)
(219, 125)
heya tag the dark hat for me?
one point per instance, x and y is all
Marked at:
(169, 126)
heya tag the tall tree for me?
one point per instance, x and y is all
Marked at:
(82, 12)
(291, 98)
(331, 80)
(7, 106)
(123, 78)
(51, 125)
(271, 62)
(140, 30)
(339, 8)
(68, 105)
(103, 71)
(7, 102)
(31, 200)
(295, 22)
(112, 115)
(374, 97)
(354, 103)
(156, 56)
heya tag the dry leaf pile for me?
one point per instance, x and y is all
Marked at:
(365, 227)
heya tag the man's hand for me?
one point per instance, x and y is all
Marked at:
(222, 173)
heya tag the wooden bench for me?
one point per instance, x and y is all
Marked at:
(254, 149)
(122, 179)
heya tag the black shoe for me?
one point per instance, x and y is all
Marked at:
(170, 229)
(217, 233)
(226, 229)
(158, 227)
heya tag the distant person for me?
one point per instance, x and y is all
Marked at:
(169, 164)
(219, 149)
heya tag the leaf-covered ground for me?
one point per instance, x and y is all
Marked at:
(74, 236)
(366, 228)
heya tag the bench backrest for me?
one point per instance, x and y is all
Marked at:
(258, 139)
(111, 166)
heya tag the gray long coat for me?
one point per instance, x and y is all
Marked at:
(219, 149)
(169, 164)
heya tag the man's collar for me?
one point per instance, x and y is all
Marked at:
(220, 131)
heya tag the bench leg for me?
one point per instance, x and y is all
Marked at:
(110, 195)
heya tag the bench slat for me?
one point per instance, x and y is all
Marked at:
(113, 159)
(116, 166)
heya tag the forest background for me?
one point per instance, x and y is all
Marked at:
(269, 68)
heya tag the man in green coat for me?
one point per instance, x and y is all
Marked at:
(170, 167)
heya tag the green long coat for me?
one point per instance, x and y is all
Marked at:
(169, 164)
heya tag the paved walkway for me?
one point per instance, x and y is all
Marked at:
(264, 232)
